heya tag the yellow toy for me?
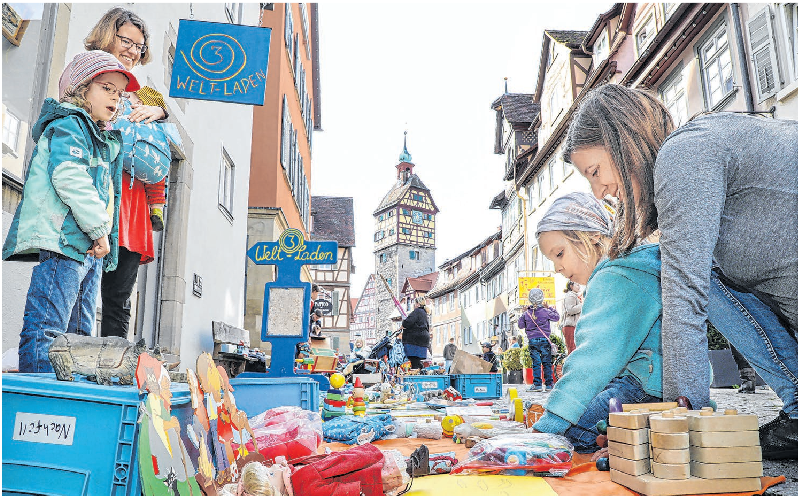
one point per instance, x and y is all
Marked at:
(337, 380)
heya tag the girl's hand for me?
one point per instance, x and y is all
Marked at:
(602, 453)
(146, 113)
(99, 248)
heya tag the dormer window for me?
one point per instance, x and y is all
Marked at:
(601, 49)
(645, 35)
(552, 53)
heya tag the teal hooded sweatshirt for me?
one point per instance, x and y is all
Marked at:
(617, 335)
(66, 201)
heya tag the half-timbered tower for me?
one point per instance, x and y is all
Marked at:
(404, 237)
(333, 219)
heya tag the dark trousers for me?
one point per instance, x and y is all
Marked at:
(115, 290)
(415, 362)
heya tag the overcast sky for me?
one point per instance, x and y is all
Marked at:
(433, 69)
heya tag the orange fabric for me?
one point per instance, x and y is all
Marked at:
(583, 480)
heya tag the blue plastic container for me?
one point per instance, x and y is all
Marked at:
(74, 438)
(478, 386)
(256, 393)
(428, 382)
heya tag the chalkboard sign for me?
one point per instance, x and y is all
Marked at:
(325, 306)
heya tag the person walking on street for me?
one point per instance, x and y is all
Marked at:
(489, 356)
(572, 309)
(415, 336)
(448, 354)
(536, 322)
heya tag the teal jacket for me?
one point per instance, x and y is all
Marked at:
(65, 199)
(617, 335)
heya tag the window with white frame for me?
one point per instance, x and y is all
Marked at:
(791, 30)
(674, 95)
(601, 49)
(226, 183)
(763, 54)
(451, 302)
(542, 186)
(289, 32)
(668, 9)
(233, 12)
(531, 198)
(10, 131)
(567, 168)
(552, 176)
(716, 67)
(645, 34)
(552, 52)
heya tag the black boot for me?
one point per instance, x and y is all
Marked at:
(747, 380)
(779, 438)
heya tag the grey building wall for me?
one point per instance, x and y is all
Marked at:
(398, 267)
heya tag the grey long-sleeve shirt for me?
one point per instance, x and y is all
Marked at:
(725, 186)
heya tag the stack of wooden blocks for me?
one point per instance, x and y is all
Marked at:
(679, 451)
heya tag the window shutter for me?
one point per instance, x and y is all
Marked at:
(335, 303)
(763, 54)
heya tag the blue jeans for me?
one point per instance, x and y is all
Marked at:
(756, 332)
(447, 366)
(540, 351)
(626, 389)
(62, 298)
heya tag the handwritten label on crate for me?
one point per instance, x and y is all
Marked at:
(41, 428)
(429, 385)
(480, 389)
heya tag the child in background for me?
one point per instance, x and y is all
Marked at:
(618, 350)
(536, 321)
(70, 203)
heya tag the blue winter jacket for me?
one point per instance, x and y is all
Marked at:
(617, 335)
(65, 200)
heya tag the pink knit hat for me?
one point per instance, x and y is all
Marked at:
(89, 65)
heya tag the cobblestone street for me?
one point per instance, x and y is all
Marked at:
(764, 404)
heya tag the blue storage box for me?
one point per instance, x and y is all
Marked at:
(428, 382)
(74, 438)
(256, 393)
(478, 386)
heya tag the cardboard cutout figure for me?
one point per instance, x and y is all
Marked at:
(198, 433)
(164, 465)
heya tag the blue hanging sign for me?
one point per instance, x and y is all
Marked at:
(220, 61)
(286, 320)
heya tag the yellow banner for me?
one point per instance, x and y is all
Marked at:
(544, 283)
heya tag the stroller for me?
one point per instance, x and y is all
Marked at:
(387, 346)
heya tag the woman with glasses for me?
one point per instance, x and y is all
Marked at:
(124, 35)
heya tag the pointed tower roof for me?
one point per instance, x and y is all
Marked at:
(405, 157)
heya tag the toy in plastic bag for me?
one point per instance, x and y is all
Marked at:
(286, 431)
(526, 454)
(488, 429)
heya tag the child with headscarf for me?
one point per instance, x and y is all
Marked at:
(618, 350)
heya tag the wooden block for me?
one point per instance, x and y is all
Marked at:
(724, 439)
(660, 455)
(629, 420)
(726, 455)
(677, 440)
(672, 424)
(726, 470)
(724, 423)
(654, 407)
(631, 467)
(627, 436)
(629, 451)
(651, 486)
(670, 471)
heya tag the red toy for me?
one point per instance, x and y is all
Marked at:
(452, 394)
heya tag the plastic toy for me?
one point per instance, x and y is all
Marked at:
(521, 454)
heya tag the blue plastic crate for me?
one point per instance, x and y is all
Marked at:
(256, 393)
(478, 386)
(99, 456)
(428, 382)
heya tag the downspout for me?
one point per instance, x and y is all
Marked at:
(741, 58)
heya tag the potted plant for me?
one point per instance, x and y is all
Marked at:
(511, 362)
(526, 362)
(557, 341)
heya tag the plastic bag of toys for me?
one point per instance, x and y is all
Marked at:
(489, 428)
(286, 431)
(527, 454)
